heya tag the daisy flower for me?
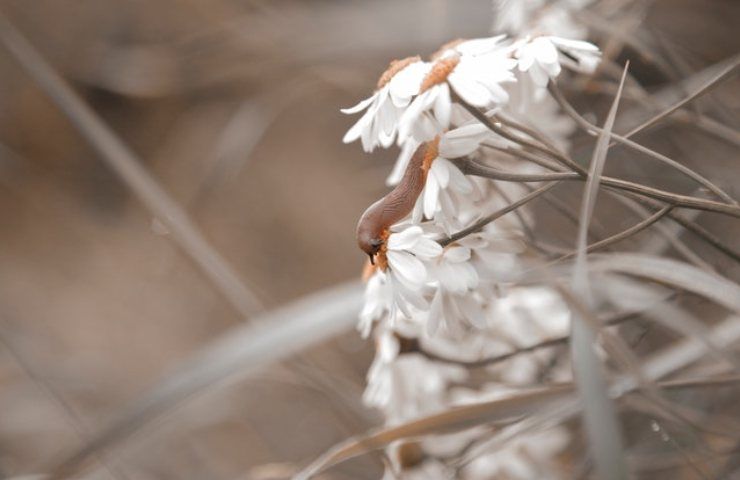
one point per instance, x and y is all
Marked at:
(404, 252)
(396, 87)
(397, 284)
(448, 191)
(474, 70)
(455, 303)
(406, 385)
(541, 57)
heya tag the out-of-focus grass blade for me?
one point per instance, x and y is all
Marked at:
(451, 420)
(727, 69)
(671, 272)
(666, 362)
(124, 162)
(243, 350)
(621, 290)
(600, 416)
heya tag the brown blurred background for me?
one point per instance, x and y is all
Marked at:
(233, 105)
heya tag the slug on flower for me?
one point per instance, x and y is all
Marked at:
(374, 225)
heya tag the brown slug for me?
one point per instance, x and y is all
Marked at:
(373, 227)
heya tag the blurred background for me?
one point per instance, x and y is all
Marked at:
(233, 106)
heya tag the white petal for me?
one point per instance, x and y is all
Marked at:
(539, 75)
(473, 313)
(462, 141)
(406, 83)
(405, 239)
(441, 171)
(456, 254)
(470, 90)
(552, 69)
(412, 297)
(457, 181)
(360, 106)
(443, 106)
(356, 130)
(417, 214)
(411, 115)
(546, 51)
(431, 195)
(388, 347)
(526, 59)
(480, 46)
(426, 128)
(427, 248)
(498, 94)
(435, 314)
(407, 151)
(574, 44)
(408, 269)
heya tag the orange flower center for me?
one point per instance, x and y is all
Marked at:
(393, 68)
(439, 72)
(431, 153)
(381, 258)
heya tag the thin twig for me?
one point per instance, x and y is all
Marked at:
(477, 226)
(551, 342)
(638, 227)
(594, 130)
(675, 199)
(492, 125)
(636, 204)
(713, 82)
(693, 227)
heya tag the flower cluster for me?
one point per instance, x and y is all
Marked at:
(438, 294)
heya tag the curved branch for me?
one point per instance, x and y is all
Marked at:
(594, 130)
(675, 199)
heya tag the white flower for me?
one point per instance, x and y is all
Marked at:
(586, 55)
(476, 78)
(396, 88)
(524, 317)
(407, 385)
(378, 301)
(455, 303)
(397, 286)
(526, 16)
(453, 271)
(531, 105)
(458, 116)
(428, 114)
(407, 151)
(443, 194)
(541, 57)
(448, 193)
(405, 252)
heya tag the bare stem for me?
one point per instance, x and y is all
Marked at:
(726, 73)
(638, 227)
(477, 226)
(551, 342)
(677, 200)
(595, 131)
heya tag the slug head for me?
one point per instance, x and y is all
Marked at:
(371, 233)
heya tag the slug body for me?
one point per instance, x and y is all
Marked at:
(373, 227)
